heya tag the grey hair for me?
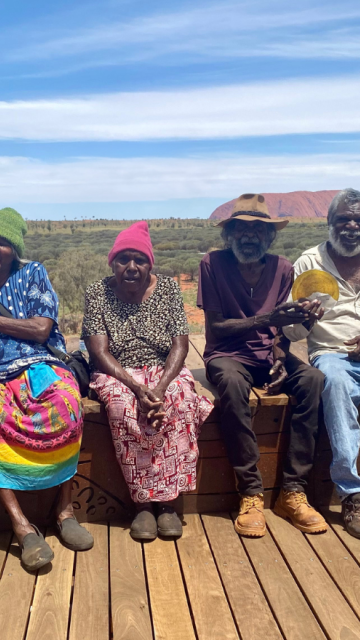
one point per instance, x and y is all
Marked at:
(228, 230)
(346, 196)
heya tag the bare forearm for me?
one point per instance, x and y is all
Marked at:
(281, 316)
(32, 329)
(174, 362)
(234, 327)
(106, 363)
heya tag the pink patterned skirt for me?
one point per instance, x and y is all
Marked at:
(157, 464)
(40, 438)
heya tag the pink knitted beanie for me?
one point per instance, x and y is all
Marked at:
(136, 237)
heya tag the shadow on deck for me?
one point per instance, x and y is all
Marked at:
(209, 585)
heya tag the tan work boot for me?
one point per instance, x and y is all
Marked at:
(251, 519)
(294, 506)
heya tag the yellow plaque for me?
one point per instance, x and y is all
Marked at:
(316, 284)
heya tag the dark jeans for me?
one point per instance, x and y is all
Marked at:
(234, 381)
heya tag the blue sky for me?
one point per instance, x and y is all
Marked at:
(131, 108)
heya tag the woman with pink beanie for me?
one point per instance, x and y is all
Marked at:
(136, 332)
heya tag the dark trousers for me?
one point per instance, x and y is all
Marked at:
(234, 381)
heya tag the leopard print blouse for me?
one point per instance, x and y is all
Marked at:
(139, 334)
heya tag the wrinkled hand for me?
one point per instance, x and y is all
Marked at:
(278, 376)
(156, 416)
(288, 313)
(354, 354)
(150, 402)
(315, 311)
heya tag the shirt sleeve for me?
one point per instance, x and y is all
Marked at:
(178, 325)
(208, 297)
(93, 321)
(42, 300)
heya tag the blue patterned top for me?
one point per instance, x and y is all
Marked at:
(28, 293)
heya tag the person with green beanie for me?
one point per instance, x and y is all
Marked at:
(41, 416)
(13, 229)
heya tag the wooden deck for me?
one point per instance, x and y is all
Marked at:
(209, 585)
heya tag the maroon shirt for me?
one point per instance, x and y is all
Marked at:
(223, 289)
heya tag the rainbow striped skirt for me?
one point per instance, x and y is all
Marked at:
(39, 437)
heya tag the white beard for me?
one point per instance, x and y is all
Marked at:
(257, 254)
(339, 247)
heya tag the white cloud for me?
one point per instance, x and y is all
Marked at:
(259, 109)
(213, 30)
(149, 179)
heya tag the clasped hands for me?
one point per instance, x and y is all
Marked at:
(302, 311)
(151, 402)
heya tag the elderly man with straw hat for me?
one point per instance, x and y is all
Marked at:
(243, 291)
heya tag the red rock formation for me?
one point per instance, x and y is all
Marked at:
(297, 204)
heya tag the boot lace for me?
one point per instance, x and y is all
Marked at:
(300, 498)
(353, 508)
(252, 501)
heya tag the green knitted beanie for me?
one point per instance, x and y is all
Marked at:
(13, 228)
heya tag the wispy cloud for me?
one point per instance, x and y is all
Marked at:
(213, 30)
(152, 179)
(258, 109)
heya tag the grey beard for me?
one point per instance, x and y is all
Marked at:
(258, 252)
(339, 247)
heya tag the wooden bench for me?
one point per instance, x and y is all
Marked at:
(100, 492)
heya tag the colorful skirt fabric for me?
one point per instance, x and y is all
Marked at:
(157, 464)
(39, 437)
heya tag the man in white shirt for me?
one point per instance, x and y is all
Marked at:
(334, 346)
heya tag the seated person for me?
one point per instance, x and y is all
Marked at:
(41, 418)
(243, 290)
(334, 347)
(135, 330)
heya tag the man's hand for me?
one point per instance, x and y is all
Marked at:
(315, 311)
(354, 354)
(288, 313)
(278, 376)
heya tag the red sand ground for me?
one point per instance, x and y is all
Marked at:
(193, 314)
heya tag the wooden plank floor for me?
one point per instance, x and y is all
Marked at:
(209, 585)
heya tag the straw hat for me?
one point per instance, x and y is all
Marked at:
(252, 206)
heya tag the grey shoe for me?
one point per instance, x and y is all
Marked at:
(144, 526)
(74, 536)
(350, 509)
(168, 522)
(35, 551)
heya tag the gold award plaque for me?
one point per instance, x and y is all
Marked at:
(316, 284)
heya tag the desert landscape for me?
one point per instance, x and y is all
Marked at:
(75, 252)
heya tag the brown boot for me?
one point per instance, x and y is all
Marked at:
(350, 511)
(294, 506)
(251, 519)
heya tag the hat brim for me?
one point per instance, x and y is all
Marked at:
(278, 223)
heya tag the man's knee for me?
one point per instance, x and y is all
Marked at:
(310, 383)
(232, 382)
(336, 377)
(314, 378)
